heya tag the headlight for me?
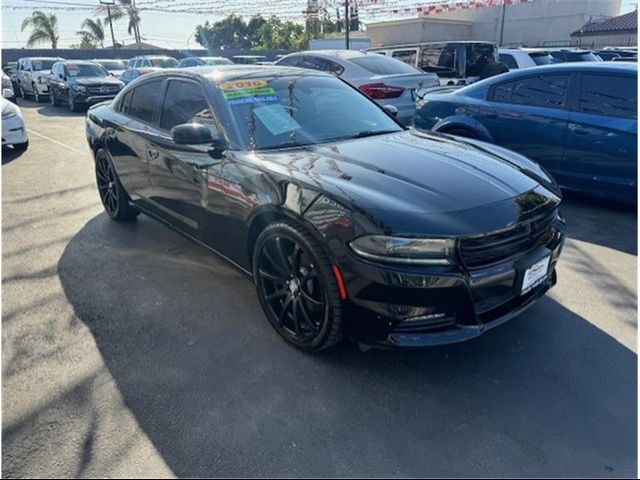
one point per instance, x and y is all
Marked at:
(417, 251)
(79, 88)
(9, 114)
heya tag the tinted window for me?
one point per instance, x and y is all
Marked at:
(609, 95)
(544, 91)
(290, 61)
(124, 103)
(438, 58)
(382, 65)
(144, 99)
(509, 61)
(542, 58)
(185, 103)
(406, 56)
(322, 64)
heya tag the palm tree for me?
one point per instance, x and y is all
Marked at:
(126, 9)
(45, 28)
(93, 32)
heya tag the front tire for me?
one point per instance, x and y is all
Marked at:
(115, 200)
(36, 95)
(296, 287)
(21, 147)
(73, 106)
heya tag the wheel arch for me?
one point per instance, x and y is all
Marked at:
(464, 123)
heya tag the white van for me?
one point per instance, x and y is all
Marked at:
(455, 63)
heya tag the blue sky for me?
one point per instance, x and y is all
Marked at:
(171, 30)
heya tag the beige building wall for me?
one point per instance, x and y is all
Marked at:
(529, 24)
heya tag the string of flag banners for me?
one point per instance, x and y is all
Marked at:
(288, 9)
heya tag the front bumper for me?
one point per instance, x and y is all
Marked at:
(43, 88)
(407, 307)
(14, 131)
(88, 98)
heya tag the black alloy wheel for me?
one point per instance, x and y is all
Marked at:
(114, 198)
(296, 287)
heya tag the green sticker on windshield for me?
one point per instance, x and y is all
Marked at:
(249, 92)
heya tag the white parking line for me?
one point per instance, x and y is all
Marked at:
(56, 142)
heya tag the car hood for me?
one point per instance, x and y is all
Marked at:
(407, 172)
(97, 81)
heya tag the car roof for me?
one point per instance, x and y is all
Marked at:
(108, 60)
(78, 62)
(224, 73)
(329, 53)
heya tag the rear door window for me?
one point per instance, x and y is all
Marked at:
(144, 99)
(609, 95)
(542, 91)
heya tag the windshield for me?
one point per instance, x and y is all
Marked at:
(274, 112)
(164, 62)
(381, 65)
(39, 65)
(112, 64)
(85, 70)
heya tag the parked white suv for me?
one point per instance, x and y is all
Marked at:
(516, 58)
(32, 75)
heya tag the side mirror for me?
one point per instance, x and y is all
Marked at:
(195, 134)
(7, 93)
(391, 110)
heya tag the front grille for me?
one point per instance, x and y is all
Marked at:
(104, 89)
(494, 247)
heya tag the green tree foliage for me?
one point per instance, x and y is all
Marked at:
(256, 34)
(44, 28)
(92, 33)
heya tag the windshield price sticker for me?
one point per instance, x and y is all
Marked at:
(248, 92)
(251, 100)
(242, 85)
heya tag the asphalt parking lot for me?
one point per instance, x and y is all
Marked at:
(128, 350)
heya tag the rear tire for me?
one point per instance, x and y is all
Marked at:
(115, 200)
(297, 288)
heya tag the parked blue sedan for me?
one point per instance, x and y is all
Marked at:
(579, 121)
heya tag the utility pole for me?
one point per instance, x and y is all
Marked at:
(109, 5)
(504, 11)
(346, 23)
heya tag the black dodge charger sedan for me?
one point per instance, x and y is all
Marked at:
(348, 223)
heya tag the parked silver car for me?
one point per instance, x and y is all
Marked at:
(385, 80)
(33, 73)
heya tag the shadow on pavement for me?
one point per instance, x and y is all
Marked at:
(219, 393)
(605, 223)
(9, 154)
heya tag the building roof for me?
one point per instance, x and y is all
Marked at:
(620, 24)
(140, 45)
